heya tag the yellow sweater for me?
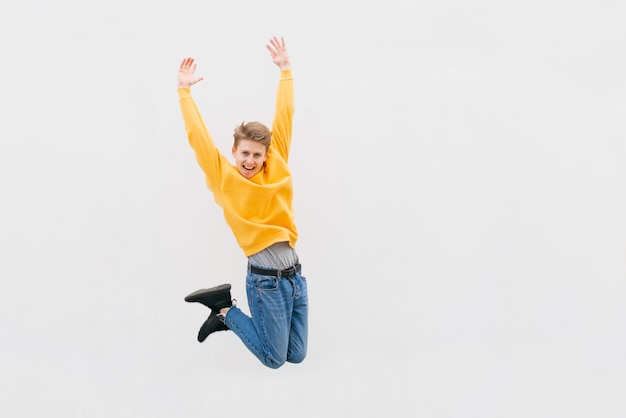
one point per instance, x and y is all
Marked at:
(258, 210)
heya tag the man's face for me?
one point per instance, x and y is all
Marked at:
(249, 157)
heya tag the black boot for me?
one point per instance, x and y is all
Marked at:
(215, 322)
(215, 298)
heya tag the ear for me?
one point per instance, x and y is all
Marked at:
(234, 150)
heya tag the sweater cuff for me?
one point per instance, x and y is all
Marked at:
(184, 92)
(286, 74)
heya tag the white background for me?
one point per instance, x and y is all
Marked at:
(459, 177)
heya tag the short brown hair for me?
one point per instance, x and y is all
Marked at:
(253, 131)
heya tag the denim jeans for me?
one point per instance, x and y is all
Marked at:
(277, 332)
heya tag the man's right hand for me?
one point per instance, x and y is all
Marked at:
(186, 73)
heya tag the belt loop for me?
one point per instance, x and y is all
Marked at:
(279, 274)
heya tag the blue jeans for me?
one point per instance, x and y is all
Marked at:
(278, 329)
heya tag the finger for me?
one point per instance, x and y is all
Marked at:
(187, 63)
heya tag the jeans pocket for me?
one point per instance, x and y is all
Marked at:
(266, 283)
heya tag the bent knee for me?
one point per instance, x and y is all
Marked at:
(297, 357)
(274, 363)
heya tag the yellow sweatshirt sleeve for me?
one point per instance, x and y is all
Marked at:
(208, 156)
(283, 115)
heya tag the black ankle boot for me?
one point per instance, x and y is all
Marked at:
(214, 322)
(215, 298)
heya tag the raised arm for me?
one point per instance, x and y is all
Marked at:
(283, 115)
(208, 156)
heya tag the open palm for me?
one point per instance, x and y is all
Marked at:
(278, 51)
(186, 73)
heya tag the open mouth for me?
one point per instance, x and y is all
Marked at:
(247, 171)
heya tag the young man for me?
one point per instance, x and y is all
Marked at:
(256, 196)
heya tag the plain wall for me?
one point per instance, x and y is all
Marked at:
(459, 192)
